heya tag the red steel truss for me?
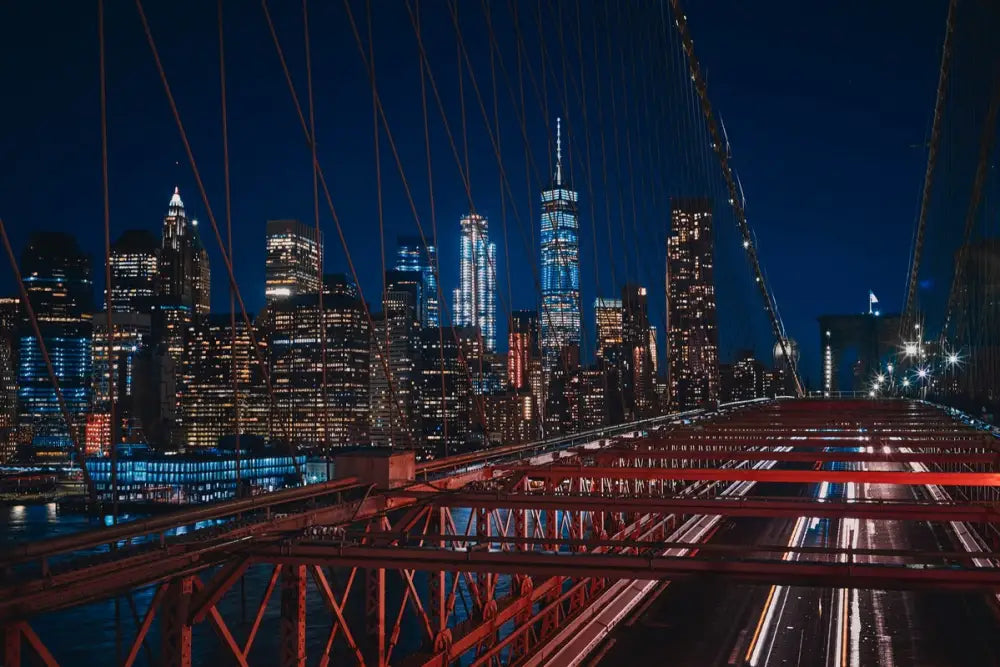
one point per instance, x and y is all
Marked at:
(484, 557)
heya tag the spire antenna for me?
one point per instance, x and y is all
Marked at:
(558, 151)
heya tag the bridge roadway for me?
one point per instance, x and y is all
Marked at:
(568, 525)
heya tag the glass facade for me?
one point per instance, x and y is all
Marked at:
(193, 478)
(57, 277)
(412, 255)
(475, 297)
(560, 265)
(134, 269)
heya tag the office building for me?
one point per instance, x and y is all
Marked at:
(394, 348)
(184, 279)
(637, 363)
(413, 255)
(316, 404)
(692, 333)
(293, 260)
(511, 417)
(743, 380)
(560, 264)
(132, 332)
(444, 393)
(57, 278)
(522, 347)
(475, 297)
(608, 319)
(10, 317)
(134, 272)
(218, 376)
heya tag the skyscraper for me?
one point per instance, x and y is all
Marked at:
(475, 297)
(444, 393)
(692, 334)
(413, 255)
(608, 318)
(292, 261)
(184, 280)
(637, 370)
(297, 370)
(134, 272)
(560, 263)
(10, 315)
(522, 347)
(131, 332)
(393, 414)
(58, 281)
(208, 405)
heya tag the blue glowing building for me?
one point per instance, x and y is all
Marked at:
(476, 295)
(58, 281)
(413, 255)
(560, 262)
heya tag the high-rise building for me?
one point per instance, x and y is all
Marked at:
(511, 417)
(743, 380)
(131, 332)
(444, 393)
(394, 347)
(560, 264)
(475, 297)
(593, 399)
(134, 272)
(692, 333)
(184, 279)
(637, 369)
(297, 371)
(218, 376)
(413, 255)
(57, 278)
(522, 347)
(653, 349)
(608, 318)
(293, 260)
(10, 316)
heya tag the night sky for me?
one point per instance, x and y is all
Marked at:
(827, 107)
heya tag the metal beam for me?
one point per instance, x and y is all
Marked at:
(563, 472)
(788, 572)
(794, 457)
(736, 507)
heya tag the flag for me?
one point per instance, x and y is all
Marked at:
(872, 299)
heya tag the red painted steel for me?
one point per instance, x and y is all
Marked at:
(564, 472)
(701, 453)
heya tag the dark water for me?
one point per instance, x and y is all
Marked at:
(95, 635)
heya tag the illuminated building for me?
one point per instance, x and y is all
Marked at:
(443, 393)
(10, 316)
(522, 347)
(296, 362)
(97, 433)
(637, 368)
(413, 255)
(57, 278)
(134, 272)
(184, 279)
(743, 380)
(692, 334)
(131, 332)
(209, 402)
(511, 417)
(193, 477)
(292, 261)
(560, 265)
(393, 417)
(653, 349)
(475, 297)
(593, 399)
(608, 318)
